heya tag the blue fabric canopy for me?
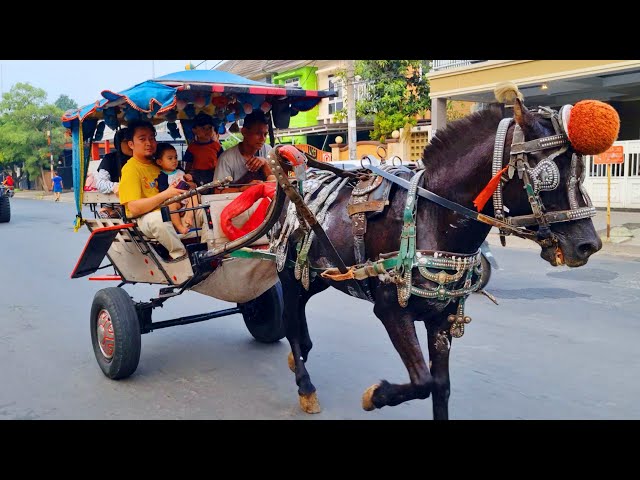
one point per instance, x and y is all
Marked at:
(161, 94)
(207, 76)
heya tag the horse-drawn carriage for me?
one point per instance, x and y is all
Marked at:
(406, 239)
(240, 271)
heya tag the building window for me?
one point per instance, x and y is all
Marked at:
(292, 82)
(335, 103)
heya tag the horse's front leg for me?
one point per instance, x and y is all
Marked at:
(401, 329)
(297, 332)
(439, 342)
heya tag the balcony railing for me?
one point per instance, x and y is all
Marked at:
(437, 65)
(361, 90)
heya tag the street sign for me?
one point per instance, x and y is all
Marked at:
(612, 156)
(615, 154)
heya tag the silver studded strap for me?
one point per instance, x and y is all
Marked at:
(498, 154)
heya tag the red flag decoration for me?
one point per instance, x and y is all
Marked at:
(487, 192)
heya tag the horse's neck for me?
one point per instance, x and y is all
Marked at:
(440, 228)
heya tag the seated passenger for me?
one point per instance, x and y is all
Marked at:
(167, 159)
(246, 162)
(201, 157)
(108, 175)
(139, 189)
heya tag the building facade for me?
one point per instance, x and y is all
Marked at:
(555, 83)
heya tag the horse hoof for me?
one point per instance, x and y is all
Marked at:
(367, 398)
(309, 403)
(291, 362)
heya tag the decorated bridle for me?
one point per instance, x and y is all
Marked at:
(545, 176)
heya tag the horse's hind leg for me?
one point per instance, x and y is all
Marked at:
(439, 346)
(402, 332)
(297, 332)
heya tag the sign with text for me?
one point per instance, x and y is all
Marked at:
(319, 155)
(615, 154)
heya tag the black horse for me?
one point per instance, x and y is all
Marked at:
(543, 195)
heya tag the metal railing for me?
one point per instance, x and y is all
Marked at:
(361, 90)
(437, 65)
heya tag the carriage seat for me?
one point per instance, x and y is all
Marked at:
(91, 197)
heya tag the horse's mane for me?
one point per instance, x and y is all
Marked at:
(457, 138)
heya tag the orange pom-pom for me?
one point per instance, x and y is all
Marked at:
(593, 127)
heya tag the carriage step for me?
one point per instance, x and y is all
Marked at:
(96, 249)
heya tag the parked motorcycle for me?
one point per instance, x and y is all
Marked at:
(5, 205)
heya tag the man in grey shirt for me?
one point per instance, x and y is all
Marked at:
(247, 163)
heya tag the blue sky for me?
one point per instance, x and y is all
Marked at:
(83, 80)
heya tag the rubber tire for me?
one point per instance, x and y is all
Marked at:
(5, 209)
(126, 331)
(486, 272)
(263, 316)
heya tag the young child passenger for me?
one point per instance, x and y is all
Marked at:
(201, 157)
(167, 159)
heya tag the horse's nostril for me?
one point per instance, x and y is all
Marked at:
(587, 248)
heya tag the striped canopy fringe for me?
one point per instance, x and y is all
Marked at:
(78, 171)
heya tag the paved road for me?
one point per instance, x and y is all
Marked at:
(562, 344)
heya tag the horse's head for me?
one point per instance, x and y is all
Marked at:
(543, 178)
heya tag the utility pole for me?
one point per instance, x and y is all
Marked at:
(351, 110)
(49, 142)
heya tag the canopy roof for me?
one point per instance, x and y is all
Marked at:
(181, 95)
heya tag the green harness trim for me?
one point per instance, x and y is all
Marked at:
(247, 252)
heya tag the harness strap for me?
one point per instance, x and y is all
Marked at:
(307, 217)
(496, 166)
(452, 205)
(357, 208)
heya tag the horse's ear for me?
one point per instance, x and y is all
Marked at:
(520, 113)
(509, 94)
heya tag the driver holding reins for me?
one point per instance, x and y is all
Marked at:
(246, 162)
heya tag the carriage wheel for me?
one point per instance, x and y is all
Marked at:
(263, 316)
(486, 272)
(5, 209)
(115, 332)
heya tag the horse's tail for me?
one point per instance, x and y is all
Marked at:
(507, 92)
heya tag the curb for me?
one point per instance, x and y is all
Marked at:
(622, 249)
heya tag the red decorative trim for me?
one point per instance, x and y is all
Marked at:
(106, 277)
(268, 91)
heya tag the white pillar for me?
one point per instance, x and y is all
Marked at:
(438, 114)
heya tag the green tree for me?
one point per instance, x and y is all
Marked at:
(65, 103)
(398, 91)
(231, 141)
(25, 119)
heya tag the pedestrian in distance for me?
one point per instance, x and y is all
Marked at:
(56, 182)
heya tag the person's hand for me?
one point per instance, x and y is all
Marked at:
(116, 187)
(255, 163)
(187, 177)
(173, 191)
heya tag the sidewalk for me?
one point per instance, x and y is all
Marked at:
(66, 197)
(624, 233)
